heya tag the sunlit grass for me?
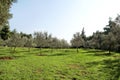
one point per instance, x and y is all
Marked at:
(59, 64)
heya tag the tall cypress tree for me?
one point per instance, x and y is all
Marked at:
(5, 32)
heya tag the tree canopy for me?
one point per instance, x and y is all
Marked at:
(5, 14)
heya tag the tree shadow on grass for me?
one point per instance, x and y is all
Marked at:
(2, 54)
(16, 57)
(93, 51)
(90, 64)
(103, 54)
(114, 67)
(111, 68)
(58, 54)
(98, 53)
(52, 54)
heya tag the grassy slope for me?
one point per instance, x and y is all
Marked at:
(59, 65)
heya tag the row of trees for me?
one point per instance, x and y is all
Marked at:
(109, 39)
(38, 39)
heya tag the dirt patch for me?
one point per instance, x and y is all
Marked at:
(83, 72)
(76, 66)
(116, 56)
(1, 72)
(6, 58)
(38, 71)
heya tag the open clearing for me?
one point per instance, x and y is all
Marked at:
(58, 64)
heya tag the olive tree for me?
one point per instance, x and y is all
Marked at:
(29, 43)
(15, 41)
(64, 43)
(77, 41)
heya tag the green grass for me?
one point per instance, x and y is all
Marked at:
(59, 64)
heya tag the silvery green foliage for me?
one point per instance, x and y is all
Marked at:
(15, 40)
(29, 42)
(45, 40)
(77, 40)
(39, 39)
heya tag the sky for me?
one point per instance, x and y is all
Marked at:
(62, 18)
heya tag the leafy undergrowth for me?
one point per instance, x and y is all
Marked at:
(58, 64)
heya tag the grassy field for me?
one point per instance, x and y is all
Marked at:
(58, 64)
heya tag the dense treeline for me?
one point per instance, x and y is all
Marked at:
(109, 39)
